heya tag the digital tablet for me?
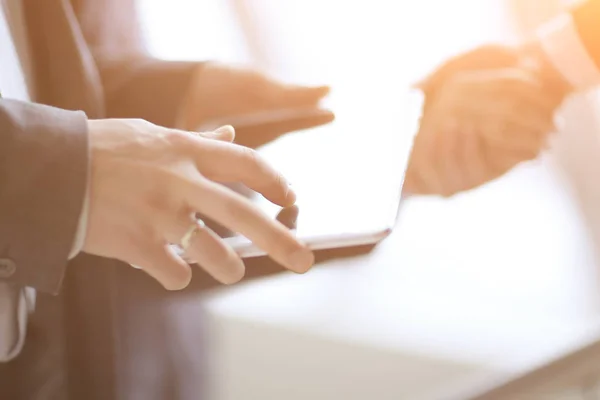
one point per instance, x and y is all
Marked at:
(347, 175)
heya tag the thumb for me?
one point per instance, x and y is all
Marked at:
(225, 133)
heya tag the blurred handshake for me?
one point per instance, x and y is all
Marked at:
(485, 112)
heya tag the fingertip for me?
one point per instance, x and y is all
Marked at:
(290, 196)
(180, 274)
(233, 276)
(232, 269)
(180, 281)
(302, 261)
(170, 283)
(225, 133)
(328, 116)
(322, 91)
(307, 94)
(174, 286)
(281, 193)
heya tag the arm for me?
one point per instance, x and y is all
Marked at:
(587, 19)
(570, 44)
(135, 84)
(43, 176)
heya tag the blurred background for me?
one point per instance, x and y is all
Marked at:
(467, 291)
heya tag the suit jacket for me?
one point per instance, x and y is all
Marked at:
(88, 62)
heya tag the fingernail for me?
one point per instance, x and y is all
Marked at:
(225, 129)
(290, 195)
(302, 260)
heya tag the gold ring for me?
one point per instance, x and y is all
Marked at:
(190, 233)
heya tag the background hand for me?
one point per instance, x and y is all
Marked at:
(222, 93)
(147, 183)
(478, 122)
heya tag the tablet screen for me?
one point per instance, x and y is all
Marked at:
(347, 175)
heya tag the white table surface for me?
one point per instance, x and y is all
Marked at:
(497, 280)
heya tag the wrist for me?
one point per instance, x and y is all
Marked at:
(558, 42)
(533, 56)
(81, 231)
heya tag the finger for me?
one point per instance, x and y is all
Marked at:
(530, 97)
(226, 162)
(527, 115)
(508, 127)
(239, 215)
(225, 133)
(481, 58)
(515, 84)
(205, 248)
(160, 262)
(508, 107)
(502, 160)
(289, 217)
(475, 164)
(295, 95)
(451, 140)
(513, 136)
(253, 134)
(529, 89)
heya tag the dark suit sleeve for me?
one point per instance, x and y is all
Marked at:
(587, 20)
(135, 84)
(43, 178)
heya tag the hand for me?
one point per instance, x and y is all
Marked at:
(535, 59)
(476, 126)
(147, 182)
(487, 57)
(220, 92)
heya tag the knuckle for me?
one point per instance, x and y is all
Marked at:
(139, 121)
(156, 202)
(178, 139)
(141, 125)
(250, 157)
(135, 239)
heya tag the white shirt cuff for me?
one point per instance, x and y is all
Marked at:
(81, 226)
(561, 43)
